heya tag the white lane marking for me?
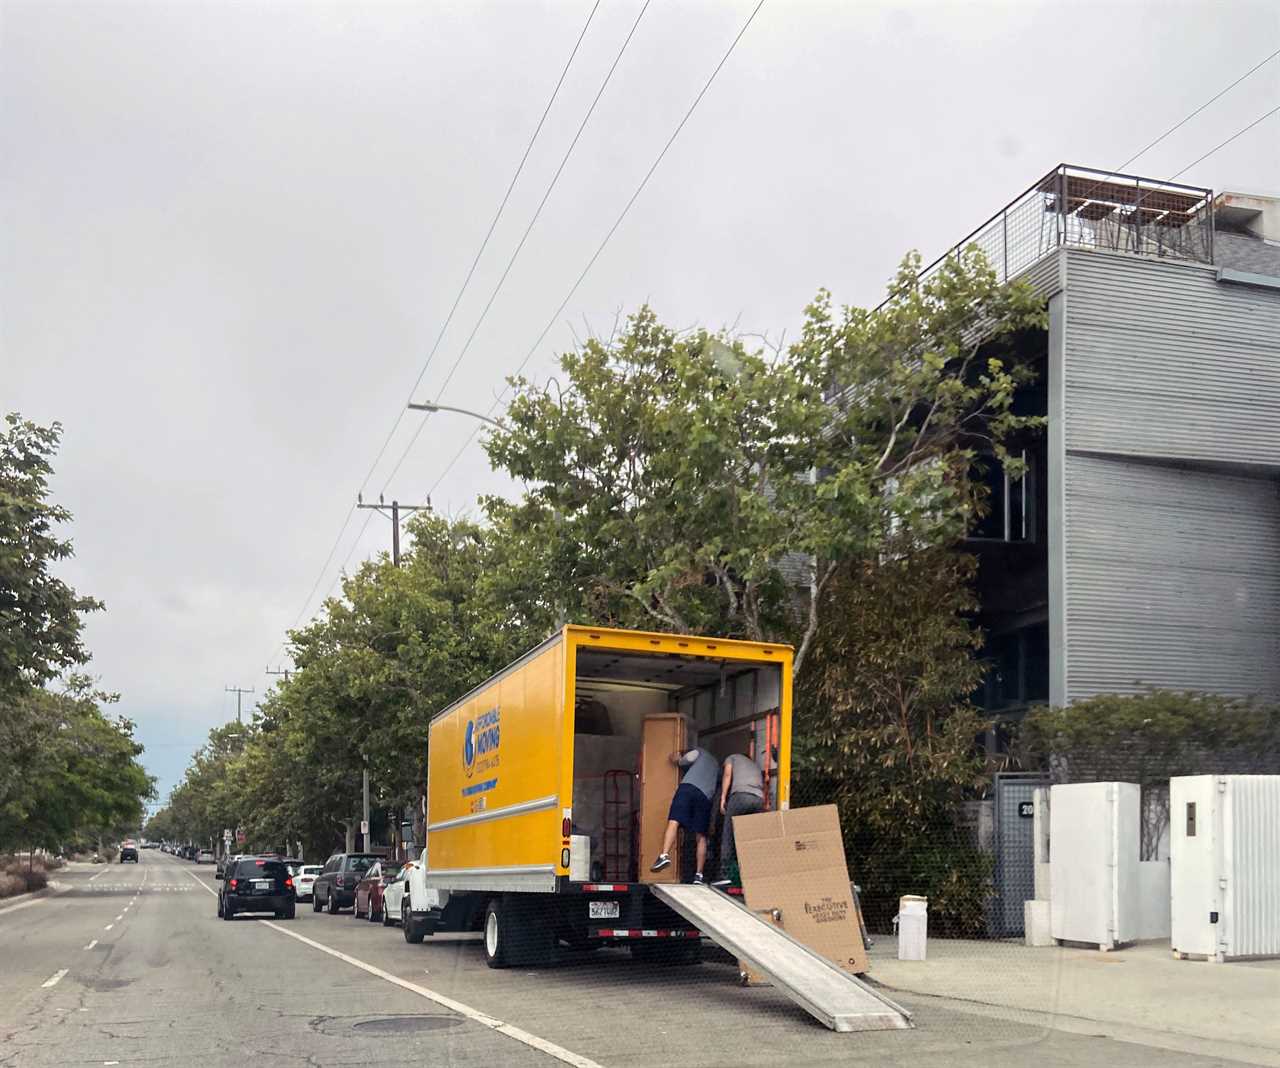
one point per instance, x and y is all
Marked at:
(510, 1030)
(98, 876)
(54, 979)
(127, 908)
(92, 944)
(109, 926)
(475, 1015)
(120, 917)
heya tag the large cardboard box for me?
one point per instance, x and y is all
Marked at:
(793, 861)
(661, 736)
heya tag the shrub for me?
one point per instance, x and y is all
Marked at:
(1147, 739)
(11, 884)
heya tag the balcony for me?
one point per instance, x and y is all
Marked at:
(1078, 207)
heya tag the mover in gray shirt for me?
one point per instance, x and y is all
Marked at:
(691, 806)
(741, 793)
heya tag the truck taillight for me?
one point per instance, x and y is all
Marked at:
(232, 884)
(566, 827)
(289, 883)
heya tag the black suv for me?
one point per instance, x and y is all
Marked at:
(335, 886)
(129, 851)
(253, 884)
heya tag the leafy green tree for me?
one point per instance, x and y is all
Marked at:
(40, 615)
(676, 475)
(884, 729)
(80, 775)
(1148, 738)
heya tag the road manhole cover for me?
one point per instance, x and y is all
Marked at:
(403, 1025)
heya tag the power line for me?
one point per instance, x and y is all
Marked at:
(476, 260)
(1179, 125)
(607, 237)
(448, 319)
(1238, 133)
(555, 178)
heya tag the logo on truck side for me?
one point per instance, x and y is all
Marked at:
(480, 742)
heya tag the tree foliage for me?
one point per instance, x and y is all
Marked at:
(884, 728)
(1147, 739)
(40, 614)
(68, 770)
(370, 671)
(674, 476)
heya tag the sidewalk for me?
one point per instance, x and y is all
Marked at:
(1140, 994)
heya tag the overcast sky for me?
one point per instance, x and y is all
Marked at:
(232, 233)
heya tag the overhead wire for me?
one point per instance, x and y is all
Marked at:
(466, 282)
(607, 237)
(555, 178)
(972, 317)
(555, 92)
(1228, 141)
(1178, 125)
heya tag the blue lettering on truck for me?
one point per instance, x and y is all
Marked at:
(480, 742)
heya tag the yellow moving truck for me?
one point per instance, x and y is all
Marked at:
(548, 786)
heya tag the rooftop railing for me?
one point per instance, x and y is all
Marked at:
(1078, 207)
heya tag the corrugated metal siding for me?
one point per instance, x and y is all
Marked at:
(1172, 579)
(1044, 274)
(1252, 840)
(1164, 361)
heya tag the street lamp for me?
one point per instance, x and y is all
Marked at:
(461, 411)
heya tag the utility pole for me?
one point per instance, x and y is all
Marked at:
(239, 692)
(394, 515)
(364, 824)
(285, 672)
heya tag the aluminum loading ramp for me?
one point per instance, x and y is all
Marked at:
(835, 997)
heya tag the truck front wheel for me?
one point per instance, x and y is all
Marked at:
(415, 930)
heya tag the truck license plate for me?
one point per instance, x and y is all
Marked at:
(603, 910)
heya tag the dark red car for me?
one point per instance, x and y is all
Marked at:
(369, 889)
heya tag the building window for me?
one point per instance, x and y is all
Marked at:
(1010, 502)
(1019, 669)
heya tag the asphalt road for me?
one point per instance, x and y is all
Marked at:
(130, 965)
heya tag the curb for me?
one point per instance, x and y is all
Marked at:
(9, 904)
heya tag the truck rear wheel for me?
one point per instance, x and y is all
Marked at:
(516, 933)
(495, 935)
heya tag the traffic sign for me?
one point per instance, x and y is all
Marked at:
(364, 826)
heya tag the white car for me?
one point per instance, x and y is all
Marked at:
(393, 895)
(304, 878)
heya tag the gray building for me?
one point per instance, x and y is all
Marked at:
(1143, 549)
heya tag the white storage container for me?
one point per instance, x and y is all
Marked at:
(1095, 894)
(1224, 845)
(913, 927)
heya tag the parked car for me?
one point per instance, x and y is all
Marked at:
(369, 890)
(129, 851)
(304, 878)
(335, 886)
(257, 885)
(205, 856)
(394, 894)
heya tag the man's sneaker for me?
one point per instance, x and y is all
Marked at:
(663, 861)
(698, 880)
(722, 884)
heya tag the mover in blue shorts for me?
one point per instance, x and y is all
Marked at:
(691, 806)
